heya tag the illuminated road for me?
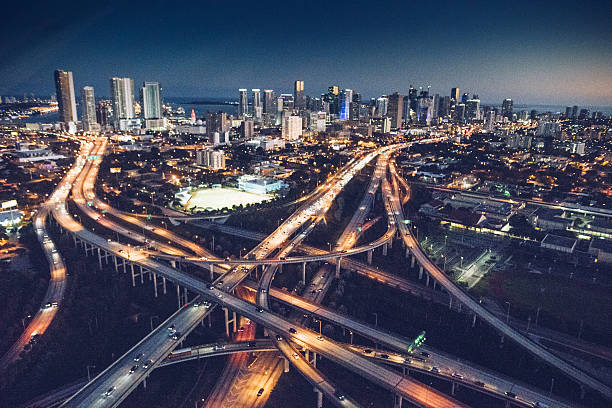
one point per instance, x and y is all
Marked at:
(533, 347)
(57, 284)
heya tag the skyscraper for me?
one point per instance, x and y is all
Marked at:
(66, 100)
(356, 107)
(292, 127)
(269, 101)
(298, 95)
(257, 105)
(151, 100)
(394, 109)
(88, 109)
(243, 102)
(454, 96)
(122, 94)
(345, 103)
(507, 108)
(333, 99)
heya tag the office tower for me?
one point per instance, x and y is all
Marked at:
(247, 130)
(122, 94)
(459, 113)
(288, 102)
(216, 122)
(465, 97)
(66, 100)
(257, 105)
(454, 96)
(574, 112)
(577, 148)
(292, 127)
(584, 114)
(533, 114)
(345, 103)
(394, 110)
(445, 104)
(104, 112)
(298, 95)
(523, 115)
(243, 103)
(150, 94)
(386, 125)
(568, 112)
(355, 107)
(436, 106)
(424, 109)
(381, 106)
(472, 108)
(412, 104)
(88, 109)
(333, 99)
(507, 108)
(269, 101)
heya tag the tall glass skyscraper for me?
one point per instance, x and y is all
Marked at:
(122, 94)
(64, 88)
(298, 95)
(88, 109)
(257, 106)
(243, 102)
(151, 100)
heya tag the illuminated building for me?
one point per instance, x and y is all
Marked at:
(66, 100)
(88, 109)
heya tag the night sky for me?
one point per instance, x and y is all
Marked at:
(557, 52)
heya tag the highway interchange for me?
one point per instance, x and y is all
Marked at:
(114, 384)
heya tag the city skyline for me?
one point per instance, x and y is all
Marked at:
(376, 50)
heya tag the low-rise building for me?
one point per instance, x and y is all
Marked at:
(559, 243)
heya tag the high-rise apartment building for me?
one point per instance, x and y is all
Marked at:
(243, 102)
(151, 100)
(88, 109)
(257, 105)
(122, 94)
(213, 159)
(395, 109)
(269, 101)
(247, 129)
(292, 127)
(66, 100)
(298, 95)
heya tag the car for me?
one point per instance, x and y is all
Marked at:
(196, 304)
(252, 343)
(109, 392)
(384, 356)
(219, 347)
(241, 329)
(320, 338)
(147, 364)
(134, 368)
(367, 351)
(219, 295)
(407, 360)
(538, 404)
(176, 335)
(435, 369)
(171, 328)
(292, 330)
(457, 375)
(263, 290)
(296, 356)
(479, 383)
(279, 337)
(138, 356)
(47, 305)
(211, 287)
(260, 310)
(260, 392)
(510, 394)
(339, 395)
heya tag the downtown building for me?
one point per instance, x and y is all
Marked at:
(122, 96)
(150, 95)
(66, 100)
(88, 110)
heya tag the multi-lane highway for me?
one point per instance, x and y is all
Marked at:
(435, 272)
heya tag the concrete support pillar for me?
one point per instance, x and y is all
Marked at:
(133, 276)
(228, 321)
(420, 272)
(370, 256)
(154, 283)
(319, 398)
(406, 252)
(398, 401)
(106, 256)
(453, 388)
(303, 273)
(286, 365)
(178, 295)
(100, 258)
(384, 250)
(338, 262)
(141, 275)
(212, 272)
(164, 283)
(116, 266)
(173, 263)
(427, 281)
(391, 242)
(412, 261)
(435, 282)
(185, 296)
(123, 263)
(280, 268)
(474, 320)
(314, 359)
(450, 302)
(75, 240)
